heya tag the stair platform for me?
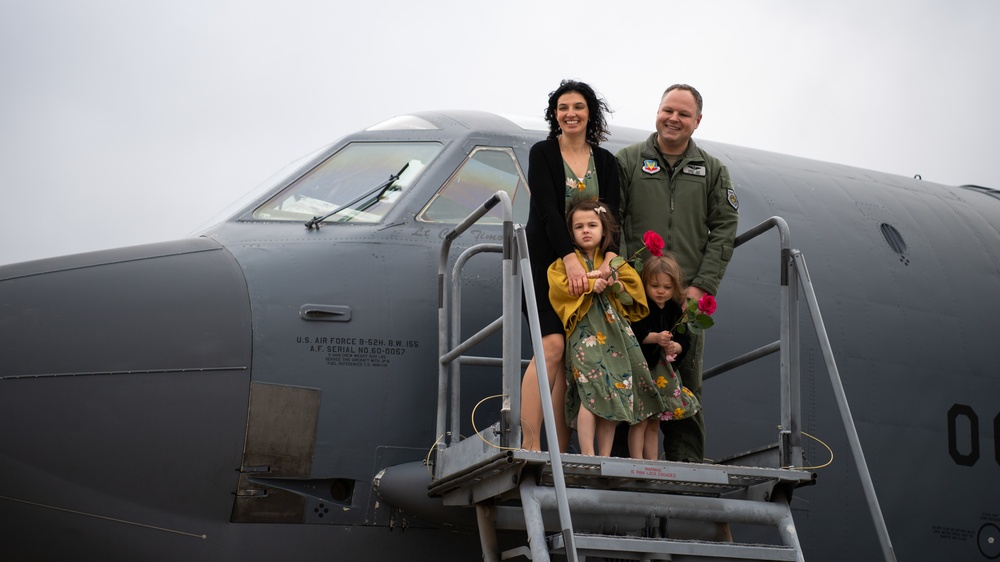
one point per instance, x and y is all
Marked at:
(473, 471)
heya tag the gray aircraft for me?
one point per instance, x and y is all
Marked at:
(274, 388)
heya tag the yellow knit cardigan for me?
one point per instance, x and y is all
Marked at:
(572, 308)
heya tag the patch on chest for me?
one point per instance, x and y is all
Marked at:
(650, 166)
(694, 170)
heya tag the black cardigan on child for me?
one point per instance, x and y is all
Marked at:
(658, 320)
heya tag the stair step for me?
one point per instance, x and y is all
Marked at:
(637, 548)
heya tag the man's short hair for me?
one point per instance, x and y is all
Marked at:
(695, 93)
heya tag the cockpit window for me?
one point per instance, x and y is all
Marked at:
(486, 171)
(353, 184)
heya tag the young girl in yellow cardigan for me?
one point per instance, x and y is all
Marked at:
(608, 378)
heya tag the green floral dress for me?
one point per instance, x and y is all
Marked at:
(605, 368)
(578, 188)
(679, 401)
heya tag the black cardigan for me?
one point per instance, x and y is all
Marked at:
(546, 232)
(658, 320)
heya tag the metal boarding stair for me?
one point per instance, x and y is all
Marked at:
(622, 508)
(616, 508)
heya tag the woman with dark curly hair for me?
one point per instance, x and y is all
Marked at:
(566, 167)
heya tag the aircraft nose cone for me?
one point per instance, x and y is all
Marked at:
(124, 384)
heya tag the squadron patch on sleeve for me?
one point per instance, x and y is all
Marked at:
(731, 197)
(650, 166)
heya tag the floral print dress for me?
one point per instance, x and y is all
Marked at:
(681, 403)
(605, 369)
(579, 188)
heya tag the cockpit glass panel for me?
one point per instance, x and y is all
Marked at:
(486, 171)
(354, 184)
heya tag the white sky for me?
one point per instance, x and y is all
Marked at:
(131, 121)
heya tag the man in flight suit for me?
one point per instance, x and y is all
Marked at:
(684, 194)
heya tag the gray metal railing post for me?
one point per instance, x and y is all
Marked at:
(791, 397)
(443, 332)
(790, 435)
(511, 425)
(454, 368)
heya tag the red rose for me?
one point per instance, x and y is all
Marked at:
(653, 243)
(706, 304)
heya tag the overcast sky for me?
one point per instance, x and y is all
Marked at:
(124, 122)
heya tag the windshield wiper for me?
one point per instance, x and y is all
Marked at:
(375, 194)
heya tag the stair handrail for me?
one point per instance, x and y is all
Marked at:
(448, 359)
(795, 274)
(799, 264)
(548, 415)
(514, 250)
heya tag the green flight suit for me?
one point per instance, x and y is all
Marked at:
(693, 206)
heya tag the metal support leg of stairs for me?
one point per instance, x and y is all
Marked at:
(618, 505)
